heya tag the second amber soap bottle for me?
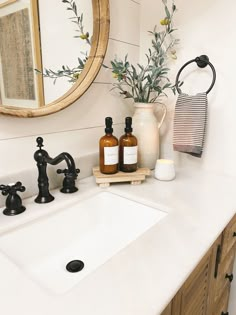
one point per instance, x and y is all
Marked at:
(128, 149)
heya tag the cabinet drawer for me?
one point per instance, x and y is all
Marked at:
(225, 275)
(222, 305)
(229, 237)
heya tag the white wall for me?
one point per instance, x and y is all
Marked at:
(77, 128)
(204, 27)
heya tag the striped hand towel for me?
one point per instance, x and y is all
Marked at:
(190, 123)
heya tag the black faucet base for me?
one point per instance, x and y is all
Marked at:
(11, 212)
(44, 199)
(65, 190)
(13, 202)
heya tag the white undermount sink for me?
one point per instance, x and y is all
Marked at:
(93, 230)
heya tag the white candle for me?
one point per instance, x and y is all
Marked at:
(164, 169)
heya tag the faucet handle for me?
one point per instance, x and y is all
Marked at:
(60, 171)
(13, 202)
(12, 188)
(5, 189)
(39, 141)
(66, 172)
(68, 185)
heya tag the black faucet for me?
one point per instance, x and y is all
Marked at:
(13, 202)
(42, 158)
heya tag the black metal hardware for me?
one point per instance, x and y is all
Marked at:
(42, 158)
(13, 202)
(68, 182)
(234, 234)
(229, 276)
(202, 61)
(223, 313)
(218, 255)
(75, 266)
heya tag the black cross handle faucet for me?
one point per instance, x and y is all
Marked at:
(42, 158)
(13, 202)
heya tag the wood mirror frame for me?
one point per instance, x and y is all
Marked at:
(101, 23)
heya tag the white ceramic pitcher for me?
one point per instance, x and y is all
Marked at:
(146, 129)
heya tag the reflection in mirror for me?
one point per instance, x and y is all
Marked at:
(65, 44)
(74, 36)
(19, 44)
(3, 3)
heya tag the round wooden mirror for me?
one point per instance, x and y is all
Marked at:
(94, 61)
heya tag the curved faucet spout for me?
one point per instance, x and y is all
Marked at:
(42, 158)
(64, 156)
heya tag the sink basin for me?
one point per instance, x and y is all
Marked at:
(93, 230)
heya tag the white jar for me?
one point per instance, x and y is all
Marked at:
(164, 169)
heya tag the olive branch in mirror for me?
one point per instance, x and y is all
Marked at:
(71, 73)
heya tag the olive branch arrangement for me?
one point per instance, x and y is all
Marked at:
(147, 83)
(71, 73)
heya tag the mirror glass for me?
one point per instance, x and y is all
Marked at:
(50, 52)
(63, 43)
(19, 85)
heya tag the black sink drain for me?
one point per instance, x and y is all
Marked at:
(75, 266)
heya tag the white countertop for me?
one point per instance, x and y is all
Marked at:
(142, 278)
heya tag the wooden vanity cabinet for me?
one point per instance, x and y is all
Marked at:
(206, 291)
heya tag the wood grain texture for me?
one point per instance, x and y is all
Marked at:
(6, 3)
(229, 240)
(225, 268)
(192, 298)
(134, 178)
(222, 305)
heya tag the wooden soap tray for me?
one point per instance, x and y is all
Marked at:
(135, 178)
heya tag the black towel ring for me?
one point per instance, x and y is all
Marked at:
(202, 62)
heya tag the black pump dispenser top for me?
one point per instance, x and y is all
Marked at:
(128, 124)
(108, 122)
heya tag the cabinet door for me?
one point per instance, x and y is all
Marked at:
(229, 237)
(224, 276)
(192, 299)
(222, 306)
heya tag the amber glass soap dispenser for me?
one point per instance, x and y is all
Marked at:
(108, 150)
(128, 149)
